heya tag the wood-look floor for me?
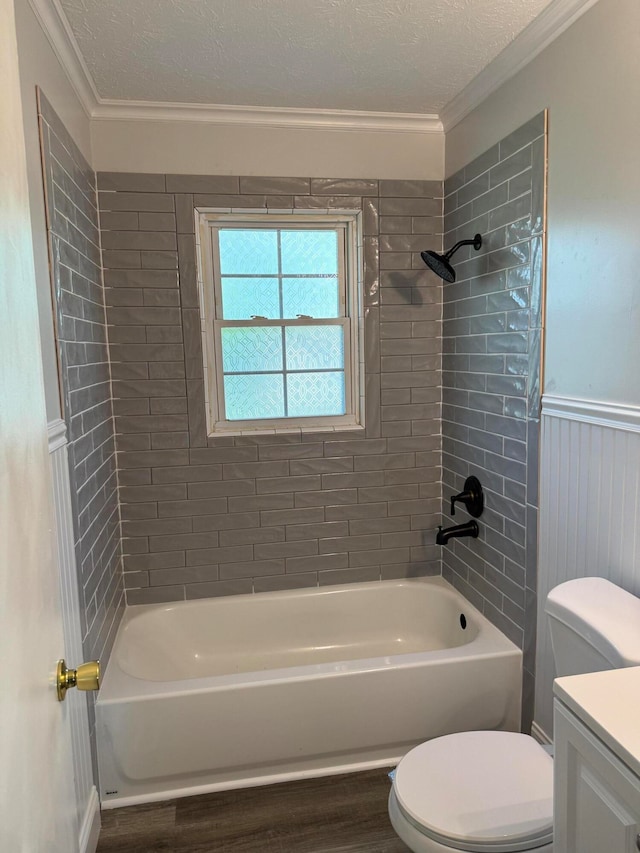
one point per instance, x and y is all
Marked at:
(336, 814)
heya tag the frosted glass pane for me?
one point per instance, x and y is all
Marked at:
(311, 394)
(251, 349)
(248, 251)
(315, 347)
(309, 252)
(254, 396)
(316, 297)
(242, 297)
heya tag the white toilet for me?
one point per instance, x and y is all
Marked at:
(492, 792)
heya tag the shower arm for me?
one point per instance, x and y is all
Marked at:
(458, 245)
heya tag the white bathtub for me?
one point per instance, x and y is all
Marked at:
(251, 689)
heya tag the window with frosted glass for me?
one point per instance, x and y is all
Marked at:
(282, 326)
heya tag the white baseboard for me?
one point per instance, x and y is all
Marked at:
(539, 734)
(90, 829)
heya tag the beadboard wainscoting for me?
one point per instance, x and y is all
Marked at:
(75, 706)
(589, 498)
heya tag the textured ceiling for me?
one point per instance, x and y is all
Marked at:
(383, 55)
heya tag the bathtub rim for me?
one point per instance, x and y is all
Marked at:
(119, 686)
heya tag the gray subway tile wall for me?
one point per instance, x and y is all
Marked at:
(85, 381)
(492, 336)
(229, 515)
(226, 515)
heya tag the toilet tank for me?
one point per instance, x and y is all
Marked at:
(595, 625)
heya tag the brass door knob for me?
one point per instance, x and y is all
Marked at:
(85, 677)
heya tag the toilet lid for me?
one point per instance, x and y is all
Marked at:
(483, 790)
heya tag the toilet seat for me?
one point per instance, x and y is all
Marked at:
(478, 791)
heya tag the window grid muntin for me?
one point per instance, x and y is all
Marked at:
(344, 322)
(352, 263)
(340, 229)
(280, 304)
(286, 277)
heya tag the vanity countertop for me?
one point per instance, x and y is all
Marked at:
(609, 704)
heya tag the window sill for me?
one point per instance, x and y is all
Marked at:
(298, 430)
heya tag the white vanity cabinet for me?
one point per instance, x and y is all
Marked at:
(597, 763)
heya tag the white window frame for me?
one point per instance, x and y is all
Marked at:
(348, 225)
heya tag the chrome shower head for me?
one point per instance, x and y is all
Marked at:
(440, 263)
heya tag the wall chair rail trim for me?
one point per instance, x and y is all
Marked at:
(57, 435)
(614, 415)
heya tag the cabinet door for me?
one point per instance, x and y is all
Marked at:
(596, 797)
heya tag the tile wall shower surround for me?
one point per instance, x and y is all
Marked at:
(85, 382)
(218, 516)
(492, 344)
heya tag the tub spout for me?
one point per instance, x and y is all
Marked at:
(469, 529)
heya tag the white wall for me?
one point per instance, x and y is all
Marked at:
(198, 148)
(40, 67)
(589, 78)
(590, 464)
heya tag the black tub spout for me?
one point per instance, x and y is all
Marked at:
(469, 529)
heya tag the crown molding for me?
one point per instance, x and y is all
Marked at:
(113, 110)
(550, 23)
(58, 32)
(556, 18)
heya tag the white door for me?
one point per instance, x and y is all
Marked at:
(36, 778)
